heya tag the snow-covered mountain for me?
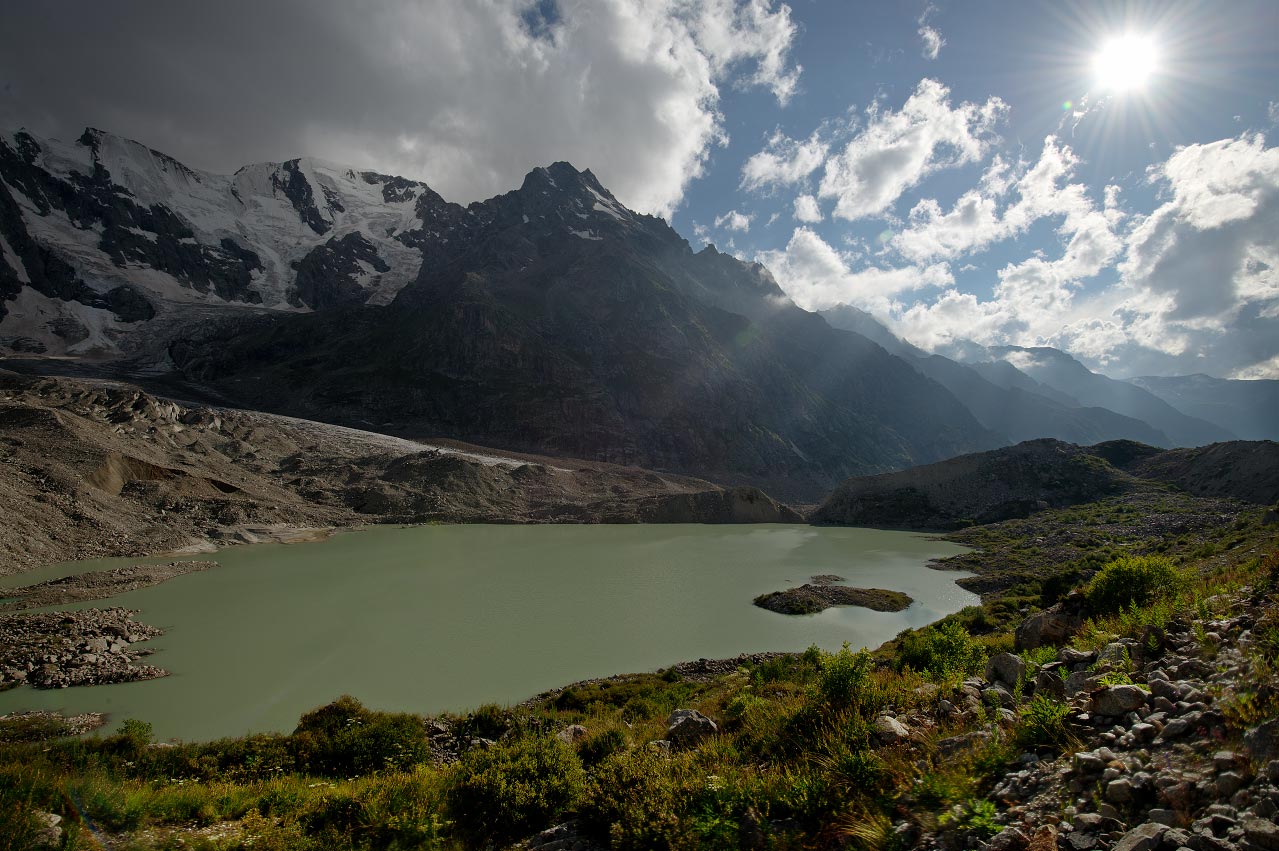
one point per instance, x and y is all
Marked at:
(102, 234)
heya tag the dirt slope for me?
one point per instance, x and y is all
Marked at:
(93, 468)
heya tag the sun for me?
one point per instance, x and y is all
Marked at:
(1125, 63)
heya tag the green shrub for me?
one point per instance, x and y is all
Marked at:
(1043, 724)
(398, 811)
(1131, 581)
(506, 792)
(633, 802)
(843, 677)
(978, 817)
(942, 650)
(598, 747)
(343, 739)
(490, 721)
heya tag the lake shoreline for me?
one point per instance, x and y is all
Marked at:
(307, 620)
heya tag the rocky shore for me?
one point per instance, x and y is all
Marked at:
(817, 596)
(95, 586)
(61, 649)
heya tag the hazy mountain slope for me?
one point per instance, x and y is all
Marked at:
(981, 488)
(1248, 408)
(1246, 470)
(1060, 370)
(1015, 406)
(570, 324)
(1016, 481)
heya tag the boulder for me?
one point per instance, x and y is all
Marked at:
(1262, 742)
(1051, 626)
(1007, 668)
(1118, 700)
(572, 734)
(686, 728)
(1142, 838)
(50, 833)
(1260, 834)
(1050, 683)
(889, 729)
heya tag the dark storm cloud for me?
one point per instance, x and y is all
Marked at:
(467, 94)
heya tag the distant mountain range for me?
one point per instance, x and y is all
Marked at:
(549, 319)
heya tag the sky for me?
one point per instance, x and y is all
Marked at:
(1100, 177)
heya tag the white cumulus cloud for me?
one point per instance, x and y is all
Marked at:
(896, 150)
(817, 276)
(733, 220)
(807, 210)
(783, 161)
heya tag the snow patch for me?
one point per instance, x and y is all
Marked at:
(585, 234)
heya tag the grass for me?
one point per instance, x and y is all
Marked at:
(796, 763)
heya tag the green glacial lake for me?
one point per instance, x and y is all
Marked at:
(436, 618)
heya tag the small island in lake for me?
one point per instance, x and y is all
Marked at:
(820, 595)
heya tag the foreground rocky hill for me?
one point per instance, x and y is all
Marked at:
(1039, 474)
(98, 469)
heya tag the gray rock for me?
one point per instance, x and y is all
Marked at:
(572, 734)
(955, 744)
(1009, 839)
(1007, 668)
(686, 728)
(1050, 683)
(50, 833)
(1144, 732)
(1178, 727)
(1051, 626)
(1262, 741)
(1260, 834)
(1081, 840)
(1119, 791)
(1159, 816)
(1224, 760)
(889, 729)
(1228, 783)
(998, 696)
(1071, 656)
(1089, 762)
(1145, 837)
(1080, 681)
(1118, 700)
